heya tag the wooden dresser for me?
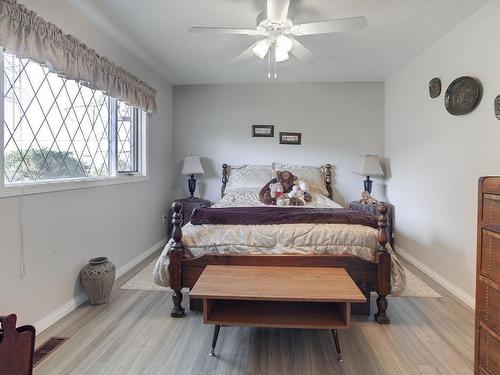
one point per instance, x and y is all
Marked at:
(487, 346)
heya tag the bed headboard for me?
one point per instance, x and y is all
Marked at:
(327, 170)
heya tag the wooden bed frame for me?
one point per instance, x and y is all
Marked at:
(368, 275)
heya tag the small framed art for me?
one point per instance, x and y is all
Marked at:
(263, 131)
(287, 138)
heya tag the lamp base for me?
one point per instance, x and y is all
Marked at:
(368, 184)
(192, 185)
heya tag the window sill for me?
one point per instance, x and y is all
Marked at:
(15, 190)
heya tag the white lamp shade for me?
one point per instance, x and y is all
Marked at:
(192, 165)
(370, 166)
(281, 55)
(261, 48)
(285, 43)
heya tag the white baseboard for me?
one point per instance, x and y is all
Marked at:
(65, 309)
(138, 259)
(448, 285)
(61, 312)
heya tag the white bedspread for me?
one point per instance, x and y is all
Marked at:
(349, 239)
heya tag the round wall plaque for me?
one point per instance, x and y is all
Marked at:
(497, 107)
(462, 96)
(435, 87)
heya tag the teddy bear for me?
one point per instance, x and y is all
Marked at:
(276, 192)
(366, 198)
(299, 194)
(296, 193)
(286, 179)
(305, 188)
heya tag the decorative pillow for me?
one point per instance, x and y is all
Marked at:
(249, 177)
(313, 176)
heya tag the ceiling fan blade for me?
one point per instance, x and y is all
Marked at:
(245, 55)
(301, 52)
(223, 30)
(339, 25)
(277, 10)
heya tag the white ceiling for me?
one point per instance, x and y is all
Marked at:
(156, 30)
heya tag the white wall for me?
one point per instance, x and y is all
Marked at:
(64, 229)
(338, 121)
(436, 158)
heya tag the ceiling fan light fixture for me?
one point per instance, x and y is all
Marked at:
(281, 55)
(262, 48)
(284, 43)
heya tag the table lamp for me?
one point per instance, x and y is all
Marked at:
(370, 167)
(192, 166)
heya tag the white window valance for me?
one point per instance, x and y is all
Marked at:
(26, 35)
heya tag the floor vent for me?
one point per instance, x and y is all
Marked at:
(47, 348)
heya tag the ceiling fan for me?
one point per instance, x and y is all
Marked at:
(278, 33)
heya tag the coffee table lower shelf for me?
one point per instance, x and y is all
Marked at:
(277, 314)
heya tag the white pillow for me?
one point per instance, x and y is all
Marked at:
(249, 177)
(313, 176)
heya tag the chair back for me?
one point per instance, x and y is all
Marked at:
(16, 347)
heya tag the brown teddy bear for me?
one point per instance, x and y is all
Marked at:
(366, 198)
(285, 178)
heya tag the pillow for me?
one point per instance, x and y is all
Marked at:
(249, 177)
(313, 176)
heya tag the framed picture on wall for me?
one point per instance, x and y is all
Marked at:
(263, 131)
(287, 138)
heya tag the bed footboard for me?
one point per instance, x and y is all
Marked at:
(369, 276)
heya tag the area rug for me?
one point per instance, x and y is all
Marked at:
(415, 286)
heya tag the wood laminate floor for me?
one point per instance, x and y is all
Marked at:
(134, 334)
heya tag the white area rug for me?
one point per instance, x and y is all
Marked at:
(415, 286)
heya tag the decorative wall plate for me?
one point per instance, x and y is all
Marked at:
(497, 107)
(435, 87)
(462, 96)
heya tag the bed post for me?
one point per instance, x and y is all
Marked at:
(328, 180)
(224, 179)
(175, 256)
(384, 266)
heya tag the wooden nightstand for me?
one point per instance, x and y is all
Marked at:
(372, 209)
(188, 206)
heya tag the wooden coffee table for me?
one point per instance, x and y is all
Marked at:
(277, 297)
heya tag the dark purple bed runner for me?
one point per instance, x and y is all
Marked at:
(279, 215)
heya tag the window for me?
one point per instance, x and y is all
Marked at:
(126, 137)
(59, 129)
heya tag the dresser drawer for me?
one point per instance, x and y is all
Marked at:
(491, 209)
(490, 184)
(488, 306)
(490, 254)
(489, 352)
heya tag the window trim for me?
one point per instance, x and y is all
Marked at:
(48, 186)
(42, 187)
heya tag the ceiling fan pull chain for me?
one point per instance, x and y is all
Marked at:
(269, 65)
(275, 64)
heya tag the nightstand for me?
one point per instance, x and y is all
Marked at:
(188, 206)
(372, 209)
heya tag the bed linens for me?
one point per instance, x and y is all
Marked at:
(270, 215)
(277, 239)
